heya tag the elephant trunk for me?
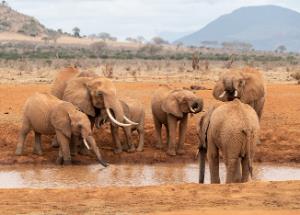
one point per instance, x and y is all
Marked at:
(92, 143)
(202, 152)
(195, 106)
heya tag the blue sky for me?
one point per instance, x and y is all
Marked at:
(123, 18)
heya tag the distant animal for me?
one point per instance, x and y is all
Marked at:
(231, 128)
(45, 114)
(246, 84)
(134, 111)
(168, 107)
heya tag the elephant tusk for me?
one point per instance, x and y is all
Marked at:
(235, 93)
(192, 110)
(129, 121)
(222, 95)
(86, 144)
(114, 120)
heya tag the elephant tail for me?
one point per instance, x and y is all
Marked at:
(246, 147)
(202, 157)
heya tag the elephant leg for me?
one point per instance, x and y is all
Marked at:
(64, 144)
(60, 158)
(141, 133)
(245, 169)
(213, 161)
(37, 149)
(168, 135)
(22, 137)
(129, 139)
(75, 141)
(54, 142)
(158, 126)
(116, 139)
(233, 172)
(182, 132)
(172, 125)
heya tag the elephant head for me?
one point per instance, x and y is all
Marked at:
(179, 102)
(68, 120)
(247, 85)
(95, 96)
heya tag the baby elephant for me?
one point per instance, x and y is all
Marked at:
(170, 106)
(135, 115)
(45, 114)
(232, 128)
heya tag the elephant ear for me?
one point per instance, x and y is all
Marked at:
(171, 105)
(77, 93)
(254, 87)
(218, 90)
(60, 119)
(204, 126)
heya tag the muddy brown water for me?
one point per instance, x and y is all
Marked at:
(124, 175)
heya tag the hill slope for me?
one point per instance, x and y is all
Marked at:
(265, 27)
(15, 22)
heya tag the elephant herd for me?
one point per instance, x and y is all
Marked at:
(80, 101)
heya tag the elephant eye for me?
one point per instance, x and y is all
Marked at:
(99, 93)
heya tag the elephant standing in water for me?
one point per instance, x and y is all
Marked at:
(246, 85)
(233, 129)
(45, 114)
(168, 107)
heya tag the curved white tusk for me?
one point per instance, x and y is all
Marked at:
(114, 120)
(222, 95)
(192, 110)
(235, 93)
(129, 121)
(86, 144)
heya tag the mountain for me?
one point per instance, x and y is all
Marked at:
(265, 27)
(15, 22)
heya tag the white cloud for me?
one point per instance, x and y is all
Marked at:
(124, 18)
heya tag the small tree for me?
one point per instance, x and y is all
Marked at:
(296, 75)
(281, 48)
(159, 41)
(98, 48)
(76, 32)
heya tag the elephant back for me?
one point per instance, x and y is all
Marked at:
(60, 82)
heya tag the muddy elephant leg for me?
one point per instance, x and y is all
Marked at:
(54, 142)
(75, 141)
(141, 133)
(158, 126)
(172, 125)
(167, 135)
(64, 144)
(115, 136)
(37, 149)
(22, 137)
(245, 169)
(128, 136)
(182, 132)
(213, 161)
(233, 172)
(60, 158)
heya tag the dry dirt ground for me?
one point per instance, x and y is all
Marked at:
(280, 144)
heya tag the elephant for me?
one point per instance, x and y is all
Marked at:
(246, 85)
(168, 107)
(47, 115)
(233, 129)
(133, 110)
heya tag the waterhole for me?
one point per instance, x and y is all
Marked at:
(124, 175)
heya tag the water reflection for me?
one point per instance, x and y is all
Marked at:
(123, 175)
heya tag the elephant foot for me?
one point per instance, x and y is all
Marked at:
(19, 151)
(37, 151)
(125, 147)
(67, 162)
(171, 152)
(132, 149)
(118, 150)
(139, 149)
(59, 161)
(54, 143)
(159, 146)
(180, 151)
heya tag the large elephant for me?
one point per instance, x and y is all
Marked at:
(93, 95)
(168, 107)
(45, 114)
(233, 129)
(134, 113)
(247, 85)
